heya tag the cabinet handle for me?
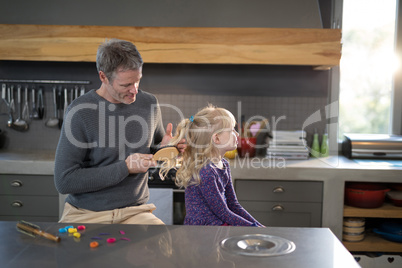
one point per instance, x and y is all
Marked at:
(16, 183)
(17, 204)
(278, 189)
(278, 208)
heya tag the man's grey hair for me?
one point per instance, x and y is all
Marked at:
(115, 54)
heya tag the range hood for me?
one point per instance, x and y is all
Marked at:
(286, 32)
(319, 48)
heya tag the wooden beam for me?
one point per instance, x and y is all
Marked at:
(277, 46)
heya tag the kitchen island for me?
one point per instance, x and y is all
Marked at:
(332, 171)
(165, 246)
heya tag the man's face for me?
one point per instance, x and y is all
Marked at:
(124, 87)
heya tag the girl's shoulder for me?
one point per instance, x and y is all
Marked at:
(208, 167)
(211, 169)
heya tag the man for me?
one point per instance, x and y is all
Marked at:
(104, 150)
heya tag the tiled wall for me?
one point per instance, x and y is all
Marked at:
(293, 93)
(175, 107)
(295, 109)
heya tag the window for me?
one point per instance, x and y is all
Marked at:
(367, 66)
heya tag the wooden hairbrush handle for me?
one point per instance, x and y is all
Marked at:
(35, 231)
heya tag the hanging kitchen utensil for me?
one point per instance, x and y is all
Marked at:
(8, 95)
(19, 124)
(60, 107)
(53, 121)
(3, 97)
(3, 89)
(34, 112)
(10, 120)
(41, 108)
(82, 90)
(65, 102)
(25, 110)
(71, 95)
(76, 92)
(11, 98)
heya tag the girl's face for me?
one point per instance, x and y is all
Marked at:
(226, 141)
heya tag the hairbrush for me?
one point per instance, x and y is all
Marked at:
(34, 230)
(166, 153)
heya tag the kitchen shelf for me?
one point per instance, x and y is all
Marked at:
(319, 48)
(373, 243)
(385, 211)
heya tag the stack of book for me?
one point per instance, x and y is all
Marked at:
(288, 145)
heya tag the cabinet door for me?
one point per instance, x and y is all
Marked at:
(27, 185)
(285, 214)
(20, 205)
(289, 191)
(28, 197)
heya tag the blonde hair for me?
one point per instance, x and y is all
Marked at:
(200, 150)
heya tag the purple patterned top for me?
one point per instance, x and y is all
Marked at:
(214, 202)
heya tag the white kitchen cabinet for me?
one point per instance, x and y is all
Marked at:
(28, 197)
(282, 203)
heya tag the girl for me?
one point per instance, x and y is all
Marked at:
(209, 195)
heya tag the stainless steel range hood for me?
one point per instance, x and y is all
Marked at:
(273, 32)
(380, 146)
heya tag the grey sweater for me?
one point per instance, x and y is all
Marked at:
(96, 138)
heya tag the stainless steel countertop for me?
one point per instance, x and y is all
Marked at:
(42, 163)
(166, 246)
(333, 171)
(23, 162)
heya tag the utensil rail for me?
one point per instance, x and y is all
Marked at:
(84, 82)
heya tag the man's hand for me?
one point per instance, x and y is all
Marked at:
(139, 163)
(168, 135)
(181, 145)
